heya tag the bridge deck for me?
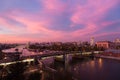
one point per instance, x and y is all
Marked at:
(27, 58)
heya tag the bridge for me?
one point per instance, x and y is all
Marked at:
(29, 56)
(32, 57)
(41, 67)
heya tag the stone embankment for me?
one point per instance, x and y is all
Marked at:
(109, 55)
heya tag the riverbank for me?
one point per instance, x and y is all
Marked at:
(108, 57)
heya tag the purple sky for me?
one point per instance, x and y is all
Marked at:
(59, 20)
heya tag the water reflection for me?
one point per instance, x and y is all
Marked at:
(92, 64)
(92, 69)
(100, 62)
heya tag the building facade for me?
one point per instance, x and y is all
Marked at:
(105, 44)
(117, 40)
(117, 43)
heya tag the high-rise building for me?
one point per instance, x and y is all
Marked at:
(117, 43)
(92, 41)
(28, 44)
(117, 40)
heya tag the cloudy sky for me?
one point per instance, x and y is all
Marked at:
(59, 20)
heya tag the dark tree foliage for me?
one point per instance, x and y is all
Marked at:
(35, 76)
(85, 47)
(1, 54)
(16, 72)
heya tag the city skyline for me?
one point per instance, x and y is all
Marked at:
(59, 20)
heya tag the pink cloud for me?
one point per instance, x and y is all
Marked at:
(92, 11)
(12, 27)
(87, 31)
(54, 6)
(88, 14)
(37, 27)
(108, 23)
(4, 38)
(107, 36)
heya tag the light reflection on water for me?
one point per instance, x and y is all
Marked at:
(92, 69)
(100, 62)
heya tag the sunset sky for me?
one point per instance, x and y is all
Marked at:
(59, 20)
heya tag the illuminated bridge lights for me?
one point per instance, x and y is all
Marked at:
(8, 63)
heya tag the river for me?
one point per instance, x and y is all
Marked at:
(90, 69)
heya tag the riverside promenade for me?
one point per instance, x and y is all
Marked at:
(109, 55)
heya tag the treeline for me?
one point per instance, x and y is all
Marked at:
(17, 72)
(66, 47)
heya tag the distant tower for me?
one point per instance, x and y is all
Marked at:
(28, 44)
(92, 41)
(117, 40)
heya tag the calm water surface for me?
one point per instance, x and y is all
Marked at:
(91, 69)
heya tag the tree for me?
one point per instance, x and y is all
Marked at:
(35, 76)
(16, 71)
(1, 54)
